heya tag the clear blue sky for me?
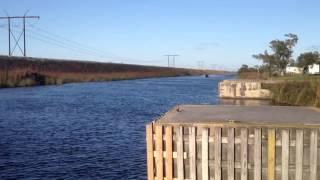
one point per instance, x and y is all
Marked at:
(221, 33)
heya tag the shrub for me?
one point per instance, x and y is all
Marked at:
(300, 93)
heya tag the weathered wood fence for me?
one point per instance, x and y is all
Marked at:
(209, 151)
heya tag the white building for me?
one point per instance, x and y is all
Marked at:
(314, 69)
(294, 70)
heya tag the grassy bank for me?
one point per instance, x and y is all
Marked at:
(21, 72)
(253, 75)
(303, 92)
(296, 90)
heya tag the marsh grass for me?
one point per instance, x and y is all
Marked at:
(298, 92)
(18, 72)
(253, 75)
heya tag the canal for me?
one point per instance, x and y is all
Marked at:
(89, 130)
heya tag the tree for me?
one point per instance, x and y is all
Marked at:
(292, 62)
(308, 58)
(281, 53)
(243, 68)
(246, 68)
(267, 59)
(283, 50)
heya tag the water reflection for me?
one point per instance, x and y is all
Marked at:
(245, 102)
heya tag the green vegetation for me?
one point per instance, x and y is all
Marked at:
(20, 72)
(298, 93)
(306, 59)
(297, 77)
(280, 56)
(246, 72)
(275, 61)
(288, 89)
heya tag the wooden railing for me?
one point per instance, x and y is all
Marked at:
(218, 152)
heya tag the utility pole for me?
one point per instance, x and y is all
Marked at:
(9, 31)
(201, 64)
(168, 60)
(173, 59)
(24, 37)
(9, 18)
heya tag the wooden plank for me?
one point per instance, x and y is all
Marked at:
(174, 155)
(150, 163)
(231, 154)
(285, 154)
(169, 154)
(271, 153)
(299, 154)
(244, 153)
(205, 156)
(159, 150)
(227, 124)
(180, 154)
(192, 149)
(313, 154)
(257, 154)
(237, 140)
(217, 153)
(237, 166)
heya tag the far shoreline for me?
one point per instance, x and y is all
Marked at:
(27, 71)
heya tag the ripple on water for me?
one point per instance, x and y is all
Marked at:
(89, 130)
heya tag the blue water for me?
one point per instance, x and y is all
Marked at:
(88, 130)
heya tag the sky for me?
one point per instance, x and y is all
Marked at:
(220, 34)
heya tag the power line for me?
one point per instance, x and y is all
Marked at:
(57, 43)
(68, 42)
(47, 37)
(62, 44)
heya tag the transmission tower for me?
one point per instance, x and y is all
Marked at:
(201, 64)
(168, 59)
(173, 59)
(17, 40)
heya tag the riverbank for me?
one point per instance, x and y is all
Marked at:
(295, 90)
(243, 89)
(22, 72)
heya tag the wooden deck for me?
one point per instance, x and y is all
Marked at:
(234, 142)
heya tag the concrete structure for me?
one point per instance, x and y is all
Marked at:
(314, 69)
(246, 89)
(294, 70)
(234, 142)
